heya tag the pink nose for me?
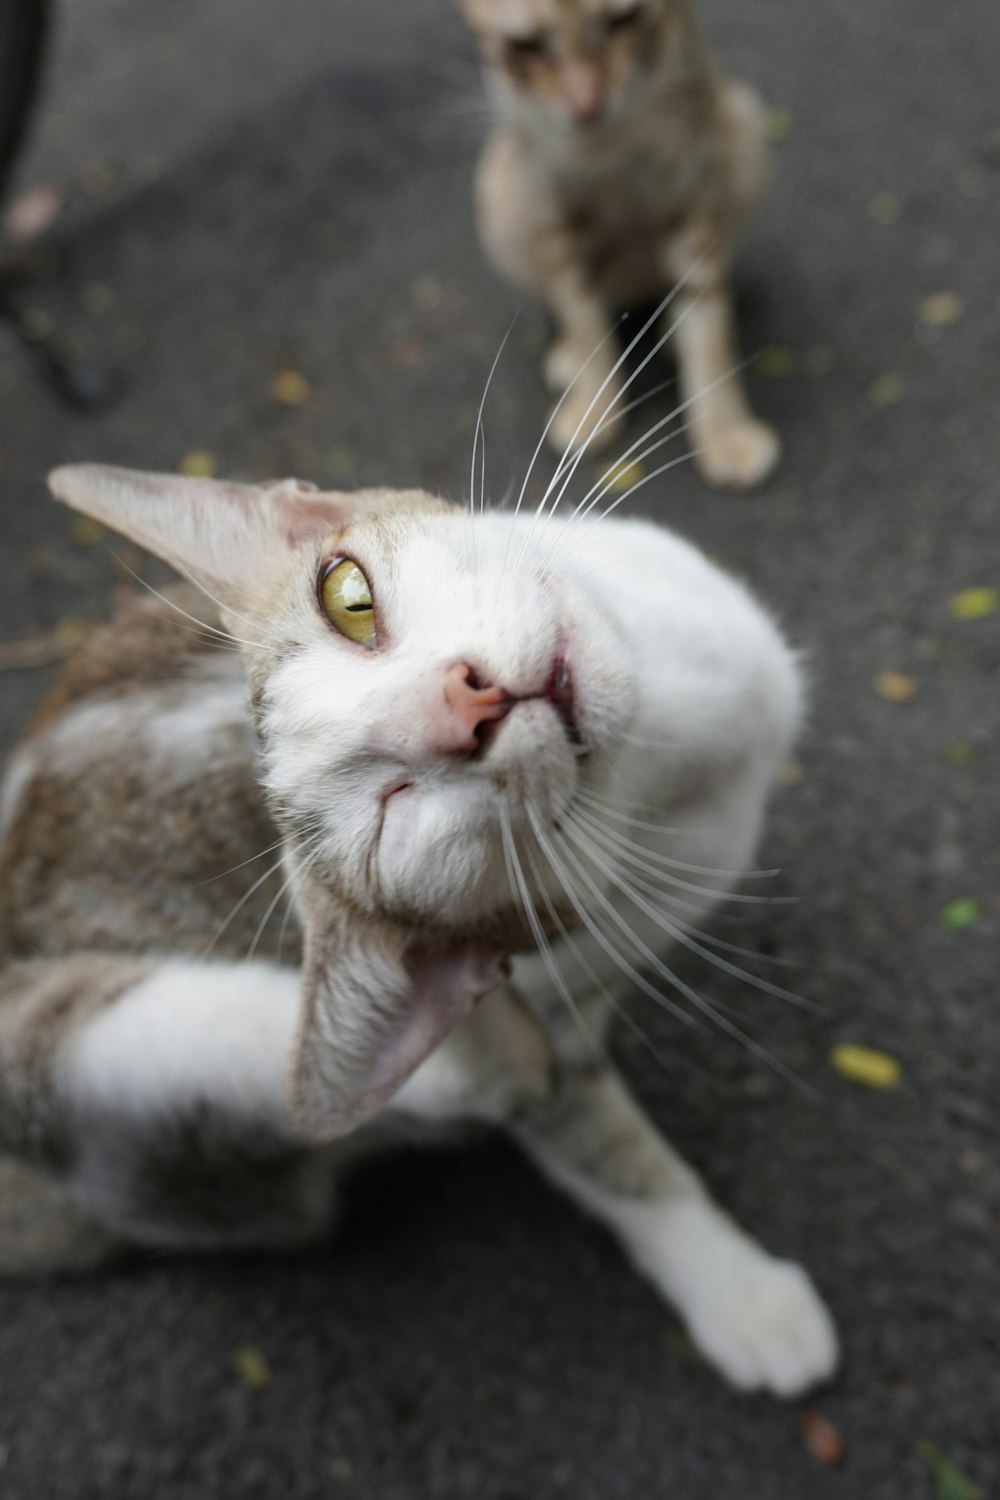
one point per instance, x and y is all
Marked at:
(468, 708)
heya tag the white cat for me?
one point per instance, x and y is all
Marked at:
(473, 773)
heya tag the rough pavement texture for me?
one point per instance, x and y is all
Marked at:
(264, 186)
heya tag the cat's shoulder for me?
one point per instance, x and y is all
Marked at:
(151, 639)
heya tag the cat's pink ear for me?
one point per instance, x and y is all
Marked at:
(219, 534)
(373, 1007)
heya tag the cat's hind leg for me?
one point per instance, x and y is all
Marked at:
(41, 1231)
(151, 1095)
(759, 1320)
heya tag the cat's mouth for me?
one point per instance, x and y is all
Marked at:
(559, 692)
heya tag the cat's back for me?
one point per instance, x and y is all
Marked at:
(130, 804)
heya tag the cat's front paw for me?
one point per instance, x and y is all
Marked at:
(584, 418)
(764, 1326)
(738, 455)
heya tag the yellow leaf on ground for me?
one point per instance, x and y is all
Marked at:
(886, 209)
(960, 753)
(896, 687)
(198, 464)
(975, 604)
(876, 1070)
(290, 388)
(779, 125)
(83, 532)
(941, 308)
(776, 361)
(624, 476)
(251, 1367)
(886, 390)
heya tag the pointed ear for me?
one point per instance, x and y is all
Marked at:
(373, 1007)
(218, 534)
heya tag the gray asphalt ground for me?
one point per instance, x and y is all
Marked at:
(260, 187)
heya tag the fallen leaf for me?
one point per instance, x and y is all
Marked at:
(427, 293)
(951, 1482)
(960, 753)
(776, 362)
(41, 650)
(819, 360)
(791, 773)
(97, 299)
(971, 182)
(823, 1440)
(886, 209)
(198, 464)
(876, 1070)
(252, 1368)
(942, 309)
(290, 388)
(36, 324)
(896, 687)
(407, 352)
(961, 914)
(974, 604)
(98, 179)
(886, 390)
(83, 532)
(32, 211)
(622, 477)
(341, 461)
(779, 125)
(678, 1342)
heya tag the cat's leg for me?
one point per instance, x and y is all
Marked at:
(732, 447)
(524, 233)
(41, 1231)
(145, 1104)
(757, 1319)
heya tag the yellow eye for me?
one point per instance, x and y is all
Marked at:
(346, 598)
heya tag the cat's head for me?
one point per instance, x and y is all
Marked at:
(566, 62)
(424, 684)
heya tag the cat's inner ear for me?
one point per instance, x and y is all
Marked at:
(221, 535)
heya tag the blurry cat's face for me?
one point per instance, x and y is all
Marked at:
(566, 62)
(437, 683)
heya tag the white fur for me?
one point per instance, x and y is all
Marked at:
(213, 1032)
(176, 734)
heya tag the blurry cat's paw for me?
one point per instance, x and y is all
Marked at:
(584, 419)
(563, 363)
(738, 456)
(764, 1326)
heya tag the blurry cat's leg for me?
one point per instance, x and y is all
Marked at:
(758, 1319)
(732, 448)
(150, 1100)
(40, 1229)
(522, 231)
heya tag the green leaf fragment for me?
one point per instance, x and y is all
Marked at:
(951, 1481)
(961, 914)
(252, 1368)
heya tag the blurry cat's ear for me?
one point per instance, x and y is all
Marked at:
(217, 533)
(373, 1007)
